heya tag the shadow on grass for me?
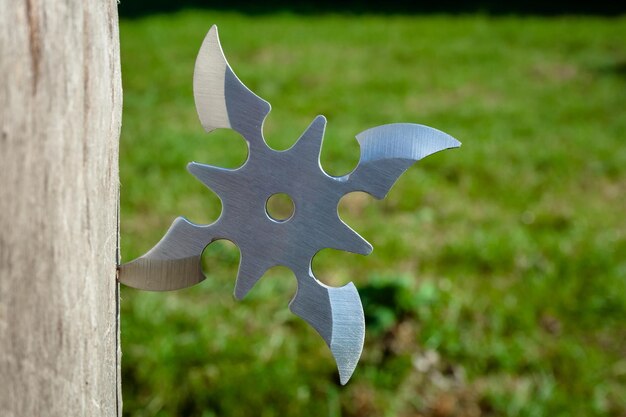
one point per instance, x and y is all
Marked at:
(616, 68)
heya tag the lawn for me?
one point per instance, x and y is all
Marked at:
(497, 285)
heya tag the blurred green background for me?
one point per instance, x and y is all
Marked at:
(497, 285)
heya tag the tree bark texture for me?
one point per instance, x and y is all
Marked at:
(60, 111)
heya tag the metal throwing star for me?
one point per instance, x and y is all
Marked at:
(222, 101)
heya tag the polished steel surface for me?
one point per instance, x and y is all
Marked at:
(223, 101)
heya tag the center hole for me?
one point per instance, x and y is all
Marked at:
(280, 207)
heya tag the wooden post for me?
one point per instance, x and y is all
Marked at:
(60, 109)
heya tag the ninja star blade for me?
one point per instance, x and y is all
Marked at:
(337, 315)
(174, 263)
(223, 101)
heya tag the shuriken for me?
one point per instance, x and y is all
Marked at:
(223, 101)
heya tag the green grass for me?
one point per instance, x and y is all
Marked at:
(497, 285)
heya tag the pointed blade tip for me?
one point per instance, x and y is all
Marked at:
(344, 378)
(454, 143)
(348, 329)
(213, 31)
(347, 368)
(194, 169)
(239, 295)
(351, 241)
(192, 166)
(360, 246)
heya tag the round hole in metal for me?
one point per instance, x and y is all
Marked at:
(280, 207)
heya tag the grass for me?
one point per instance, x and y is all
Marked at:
(497, 285)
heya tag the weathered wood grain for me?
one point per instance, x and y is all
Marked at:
(60, 109)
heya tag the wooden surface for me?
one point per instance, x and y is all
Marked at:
(60, 109)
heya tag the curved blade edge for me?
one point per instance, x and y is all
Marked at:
(208, 83)
(337, 315)
(173, 263)
(387, 151)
